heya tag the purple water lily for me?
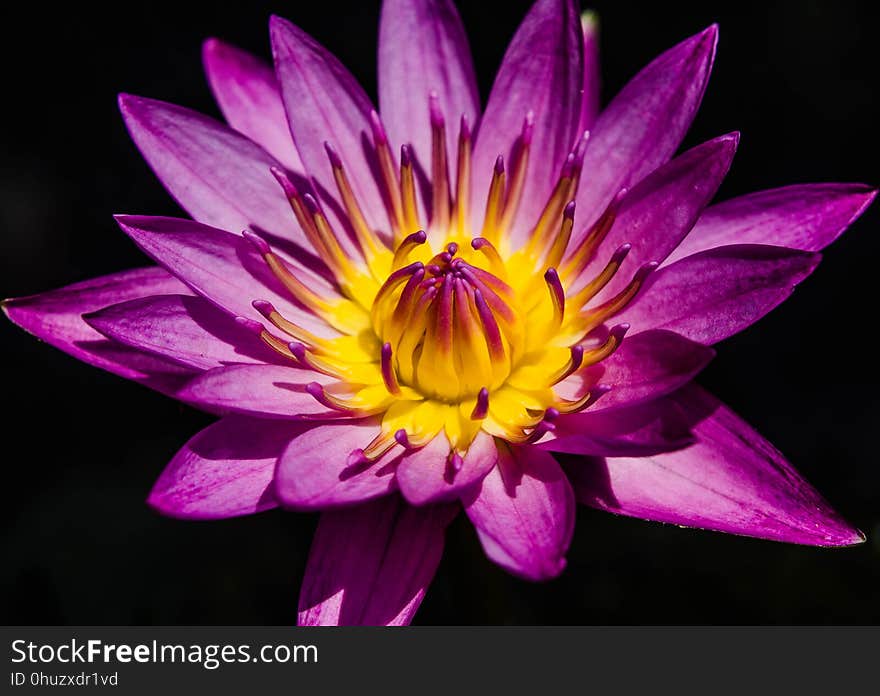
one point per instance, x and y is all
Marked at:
(404, 313)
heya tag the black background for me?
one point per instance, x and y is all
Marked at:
(81, 448)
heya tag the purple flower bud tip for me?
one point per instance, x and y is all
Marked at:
(402, 439)
(286, 184)
(528, 128)
(380, 137)
(465, 128)
(456, 462)
(258, 242)
(405, 156)
(333, 156)
(298, 350)
(311, 204)
(569, 210)
(251, 325)
(356, 458)
(499, 165)
(263, 307)
(620, 330)
(436, 114)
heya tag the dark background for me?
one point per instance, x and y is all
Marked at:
(81, 448)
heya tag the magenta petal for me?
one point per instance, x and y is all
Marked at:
(647, 365)
(662, 208)
(318, 470)
(592, 84)
(542, 73)
(370, 565)
(247, 92)
(220, 266)
(56, 317)
(732, 480)
(645, 123)
(423, 48)
(218, 176)
(188, 330)
(806, 216)
(637, 431)
(263, 391)
(224, 471)
(716, 293)
(426, 476)
(324, 103)
(523, 511)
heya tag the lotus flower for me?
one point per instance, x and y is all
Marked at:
(405, 313)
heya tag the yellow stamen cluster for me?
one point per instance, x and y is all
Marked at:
(442, 331)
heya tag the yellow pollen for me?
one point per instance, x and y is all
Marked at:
(440, 327)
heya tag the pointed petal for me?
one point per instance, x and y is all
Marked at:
(523, 511)
(247, 92)
(717, 293)
(315, 471)
(638, 431)
(592, 74)
(645, 123)
(662, 208)
(324, 103)
(370, 565)
(424, 475)
(188, 330)
(423, 48)
(805, 216)
(732, 481)
(56, 317)
(542, 72)
(647, 366)
(262, 391)
(218, 176)
(224, 471)
(220, 266)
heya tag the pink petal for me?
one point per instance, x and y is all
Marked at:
(318, 471)
(56, 317)
(647, 366)
(371, 565)
(188, 330)
(523, 511)
(717, 293)
(423, 48)
(425, 476)
(247, 92)
(645, 123)
(224, 471)
(805, 216)
(324, 103)
(662, 208)
(732, 481)
(218, 176)
(220, 266)
(263, 391)
(637, 431)
(592, 85)
(542, 72)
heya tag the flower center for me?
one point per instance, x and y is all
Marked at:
(449, 328)
(475, 336)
